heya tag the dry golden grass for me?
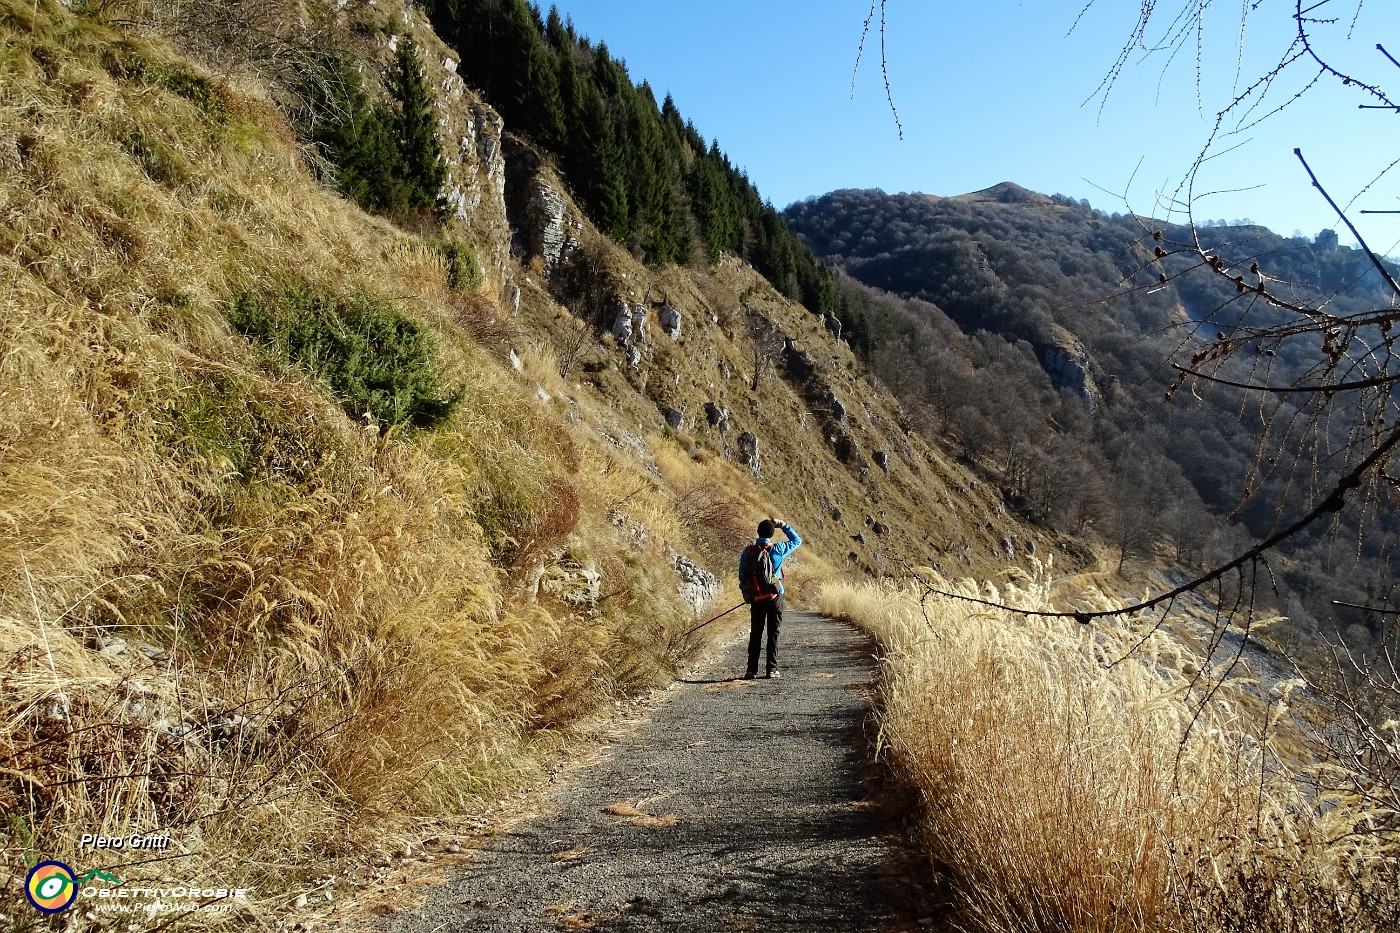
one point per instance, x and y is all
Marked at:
(345, 635)
(1063, 791)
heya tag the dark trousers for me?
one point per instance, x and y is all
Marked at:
(768, 614)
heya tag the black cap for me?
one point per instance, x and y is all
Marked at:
(765, 529)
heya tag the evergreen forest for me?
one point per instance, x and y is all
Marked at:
(644, 173)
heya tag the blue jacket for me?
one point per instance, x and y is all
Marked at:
(778, 552)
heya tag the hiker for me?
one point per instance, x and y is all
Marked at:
(761, 582)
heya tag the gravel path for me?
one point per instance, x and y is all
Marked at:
(737, 805)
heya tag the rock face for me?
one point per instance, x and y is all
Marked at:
(882, 460)
(675, 417)
(630, 323)
(546, 234)
(697, 587)
(748, 452)
(622, 324)
(671, 322)
(832, 324)
(717, 416)
(1067, 364)
(845, 447)
(799, 362)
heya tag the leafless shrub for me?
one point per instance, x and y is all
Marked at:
(718, 522)
(297, 57)
(576, 337)
(767, 342)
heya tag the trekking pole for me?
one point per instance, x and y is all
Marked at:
(715, 619)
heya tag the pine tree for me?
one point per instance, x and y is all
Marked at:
(423, 168)
(360, 142)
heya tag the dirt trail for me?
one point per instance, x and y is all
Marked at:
(738, 805)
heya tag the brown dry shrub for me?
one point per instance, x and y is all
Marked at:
(716, 519)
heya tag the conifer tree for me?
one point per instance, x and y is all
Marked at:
(361, 143)
(529, 75)
(423, 171)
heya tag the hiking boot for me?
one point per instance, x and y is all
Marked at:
(750, 675)
(775, 674)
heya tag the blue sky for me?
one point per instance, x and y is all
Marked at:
(996, 90)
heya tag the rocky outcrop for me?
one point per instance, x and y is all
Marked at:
(748, 453)
(630, 323)
(670, 322)
(542, 222)
(717, 416)
(697, 587)
(1069, 367)
(800, 364)
(546, 217)
(844, 446)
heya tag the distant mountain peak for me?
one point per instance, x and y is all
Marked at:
(1008, 192)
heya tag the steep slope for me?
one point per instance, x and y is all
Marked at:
(1042, 335)
(314, 526)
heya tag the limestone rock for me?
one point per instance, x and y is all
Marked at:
(697, 587)
(1068, 365)
(748, 453)
(671, 322)
(545, 218)
(799, 362)
(844, 445)
(622, 323)
(717, 416)
(675, 417)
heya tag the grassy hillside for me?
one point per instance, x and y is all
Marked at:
(306, 537)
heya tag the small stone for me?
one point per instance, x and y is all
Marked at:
(56, 706)
(153, 652)
(110, 647)
(299, 903)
